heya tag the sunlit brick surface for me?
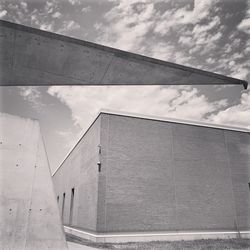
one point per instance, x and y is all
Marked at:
(159, 176)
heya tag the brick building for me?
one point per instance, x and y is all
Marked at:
(144, 174)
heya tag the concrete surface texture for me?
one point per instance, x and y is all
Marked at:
(29, 56)
(75, 246)
(153, 236)
(29, 214)
(157, 176)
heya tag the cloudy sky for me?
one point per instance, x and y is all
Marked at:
(210, 34)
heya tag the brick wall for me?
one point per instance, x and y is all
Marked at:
(168, 176)
(80, 171)
(238, 146)
(157, 176)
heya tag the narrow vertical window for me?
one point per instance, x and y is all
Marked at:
(71, 206)
(249, 186)
(99, 149)
(63, 203)
(99, 166)
(57, 199)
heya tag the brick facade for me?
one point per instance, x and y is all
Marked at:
(157, 176)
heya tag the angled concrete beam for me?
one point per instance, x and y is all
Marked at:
(30, 56)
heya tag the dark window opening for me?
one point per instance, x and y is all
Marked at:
(58, 199)
(71, 206)
(99, 166)
(63, 203)
(99, 149)
(249, 186)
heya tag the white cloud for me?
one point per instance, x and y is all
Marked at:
(240, 72)
(68, 26)
(32, 95)
(24, 6)
(70, 137)
(128, 23)
(237, 115)
(168, 52)
(183, 16)
(198, 29)
(140, 27)
(3, 13)
(186, 40)
(201, 11)
(210, 60)
(228, 48)
(47, 26)
(86, 9)
(162, 51)
(245, 23)
(74, 2)
(205, 36)
(179, 102)
(57, 14)
(49, 7)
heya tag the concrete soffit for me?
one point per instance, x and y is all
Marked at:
(32, 57)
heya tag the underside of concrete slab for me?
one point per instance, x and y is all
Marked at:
(29, 213)
(30, 56)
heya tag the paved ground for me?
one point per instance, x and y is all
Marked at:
(75, 246)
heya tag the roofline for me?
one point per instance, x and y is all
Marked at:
(174, 120)
(154, 118)
(81, 137)
(121, 53)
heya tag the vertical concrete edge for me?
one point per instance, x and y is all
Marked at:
(54, 193)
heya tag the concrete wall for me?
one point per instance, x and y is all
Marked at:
(30, 56)
(80, 171)
(29, 214)
(169, 176)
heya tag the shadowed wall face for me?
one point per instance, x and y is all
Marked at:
(29, 214)
(158, 175)
(80, 172)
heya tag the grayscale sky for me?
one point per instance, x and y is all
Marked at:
(209, 34)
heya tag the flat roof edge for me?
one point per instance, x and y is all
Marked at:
(78, 141)
(154, 118)
(174, 120)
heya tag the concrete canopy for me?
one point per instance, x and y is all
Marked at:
(31, 57)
